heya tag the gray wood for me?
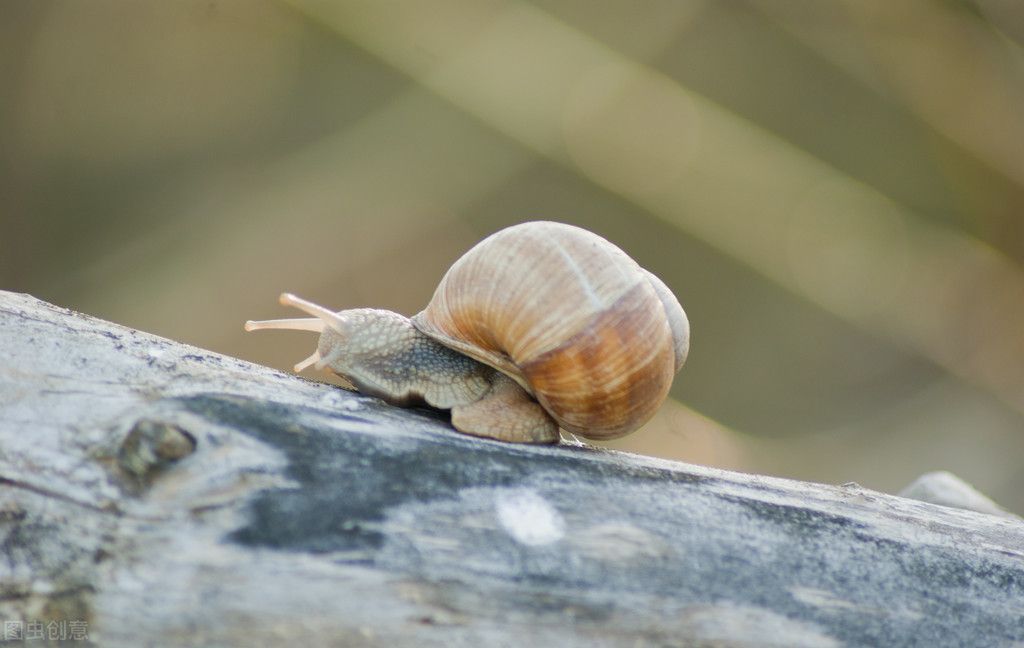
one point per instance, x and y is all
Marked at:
(163, 495)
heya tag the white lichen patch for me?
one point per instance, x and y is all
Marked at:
(528, 517)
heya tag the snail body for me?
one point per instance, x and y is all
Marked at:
(539, 326)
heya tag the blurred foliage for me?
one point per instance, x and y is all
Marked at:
(834, 190)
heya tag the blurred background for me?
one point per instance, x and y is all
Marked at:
(834, 190)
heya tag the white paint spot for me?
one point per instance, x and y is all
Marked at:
(529, 518)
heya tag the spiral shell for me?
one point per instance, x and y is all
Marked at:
(595, 338)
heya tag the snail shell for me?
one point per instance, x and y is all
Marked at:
(595, 338)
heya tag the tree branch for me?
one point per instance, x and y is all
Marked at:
(165, 495)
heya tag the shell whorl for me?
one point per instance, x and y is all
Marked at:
(571, 317)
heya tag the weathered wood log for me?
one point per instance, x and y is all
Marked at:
(155, 494)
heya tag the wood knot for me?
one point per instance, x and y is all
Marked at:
(151, 446)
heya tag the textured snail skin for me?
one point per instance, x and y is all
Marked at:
(382, 354)
(539, 326)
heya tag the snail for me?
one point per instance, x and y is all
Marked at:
(539, 326)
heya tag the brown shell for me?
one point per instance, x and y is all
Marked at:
(571, 317)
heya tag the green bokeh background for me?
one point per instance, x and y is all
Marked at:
(834, 190)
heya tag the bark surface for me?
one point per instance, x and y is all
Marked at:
(161, 495)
